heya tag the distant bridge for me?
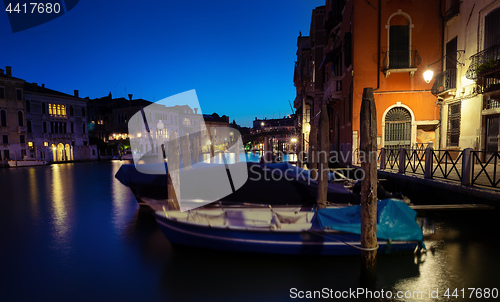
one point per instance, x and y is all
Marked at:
(267, 133)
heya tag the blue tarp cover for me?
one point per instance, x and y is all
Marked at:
(395, 220)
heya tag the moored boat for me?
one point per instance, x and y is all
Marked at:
(26, 163)
(331, 231)
(274, 184)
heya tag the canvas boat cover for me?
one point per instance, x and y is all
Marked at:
(274, 184)
(395, 220)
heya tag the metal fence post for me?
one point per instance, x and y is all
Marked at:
(428, 162)
(402, 158)
(382, 159)
(467, 163)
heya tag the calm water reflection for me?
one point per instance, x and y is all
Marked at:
(72, 232)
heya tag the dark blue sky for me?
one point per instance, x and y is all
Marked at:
(238, 55)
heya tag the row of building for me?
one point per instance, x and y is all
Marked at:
(38, 123)
(389, 45)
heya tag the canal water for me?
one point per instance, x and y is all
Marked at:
(72, 232)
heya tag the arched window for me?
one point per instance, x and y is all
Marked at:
(28, 106)
(43, 108)
(83, 111)
(71, 111)
(44, 127)
(20, 118)
(397, 128)
(399, 31)
(3, 118)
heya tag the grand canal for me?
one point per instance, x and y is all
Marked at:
(72, 232)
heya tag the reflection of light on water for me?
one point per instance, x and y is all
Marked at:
(435, 270)
(249, 157)
(120, 195)
(59, 211)
(35, 212)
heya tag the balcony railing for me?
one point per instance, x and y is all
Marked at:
(446, 80)
(453, 11)
(401, 61)
(485, 63)
(335, 15)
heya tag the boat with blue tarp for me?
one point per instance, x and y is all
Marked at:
(330, 231)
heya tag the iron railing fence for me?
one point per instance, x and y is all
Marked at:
(449, 160)
(487, 167)
(414, 158)
(392, 158)
(466, 166)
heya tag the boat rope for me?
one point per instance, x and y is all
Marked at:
(346, 243)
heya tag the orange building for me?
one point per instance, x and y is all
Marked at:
(386, 45)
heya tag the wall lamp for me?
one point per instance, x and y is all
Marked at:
(428, 74)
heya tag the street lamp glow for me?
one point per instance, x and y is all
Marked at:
(428, 75)
(294, 140)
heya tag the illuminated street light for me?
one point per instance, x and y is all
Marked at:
(428, 75)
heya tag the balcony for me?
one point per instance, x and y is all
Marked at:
(453, 11)
(335, 15)
(21, 129)
(59, 135)
(484, 63)
(485, 69)
(398, 61)
(444, 82)
(333, 89)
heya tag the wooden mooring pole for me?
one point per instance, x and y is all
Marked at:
(173, 172)
(368, 146)
(323, 154)
(312, 161)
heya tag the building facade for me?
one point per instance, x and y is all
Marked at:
(385, 45)
(56, 125)
(13, 125)
(468, 86)
(308, 77)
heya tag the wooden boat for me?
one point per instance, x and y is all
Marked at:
(332, 231)
(26, 163)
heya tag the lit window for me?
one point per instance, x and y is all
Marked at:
(50, 109)
(63, 110)
(46, 144)
(30, 144)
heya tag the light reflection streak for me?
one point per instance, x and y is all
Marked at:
(120, 197)
(59, 209)
(34, 194)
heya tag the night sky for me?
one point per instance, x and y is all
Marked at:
(238, 55)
